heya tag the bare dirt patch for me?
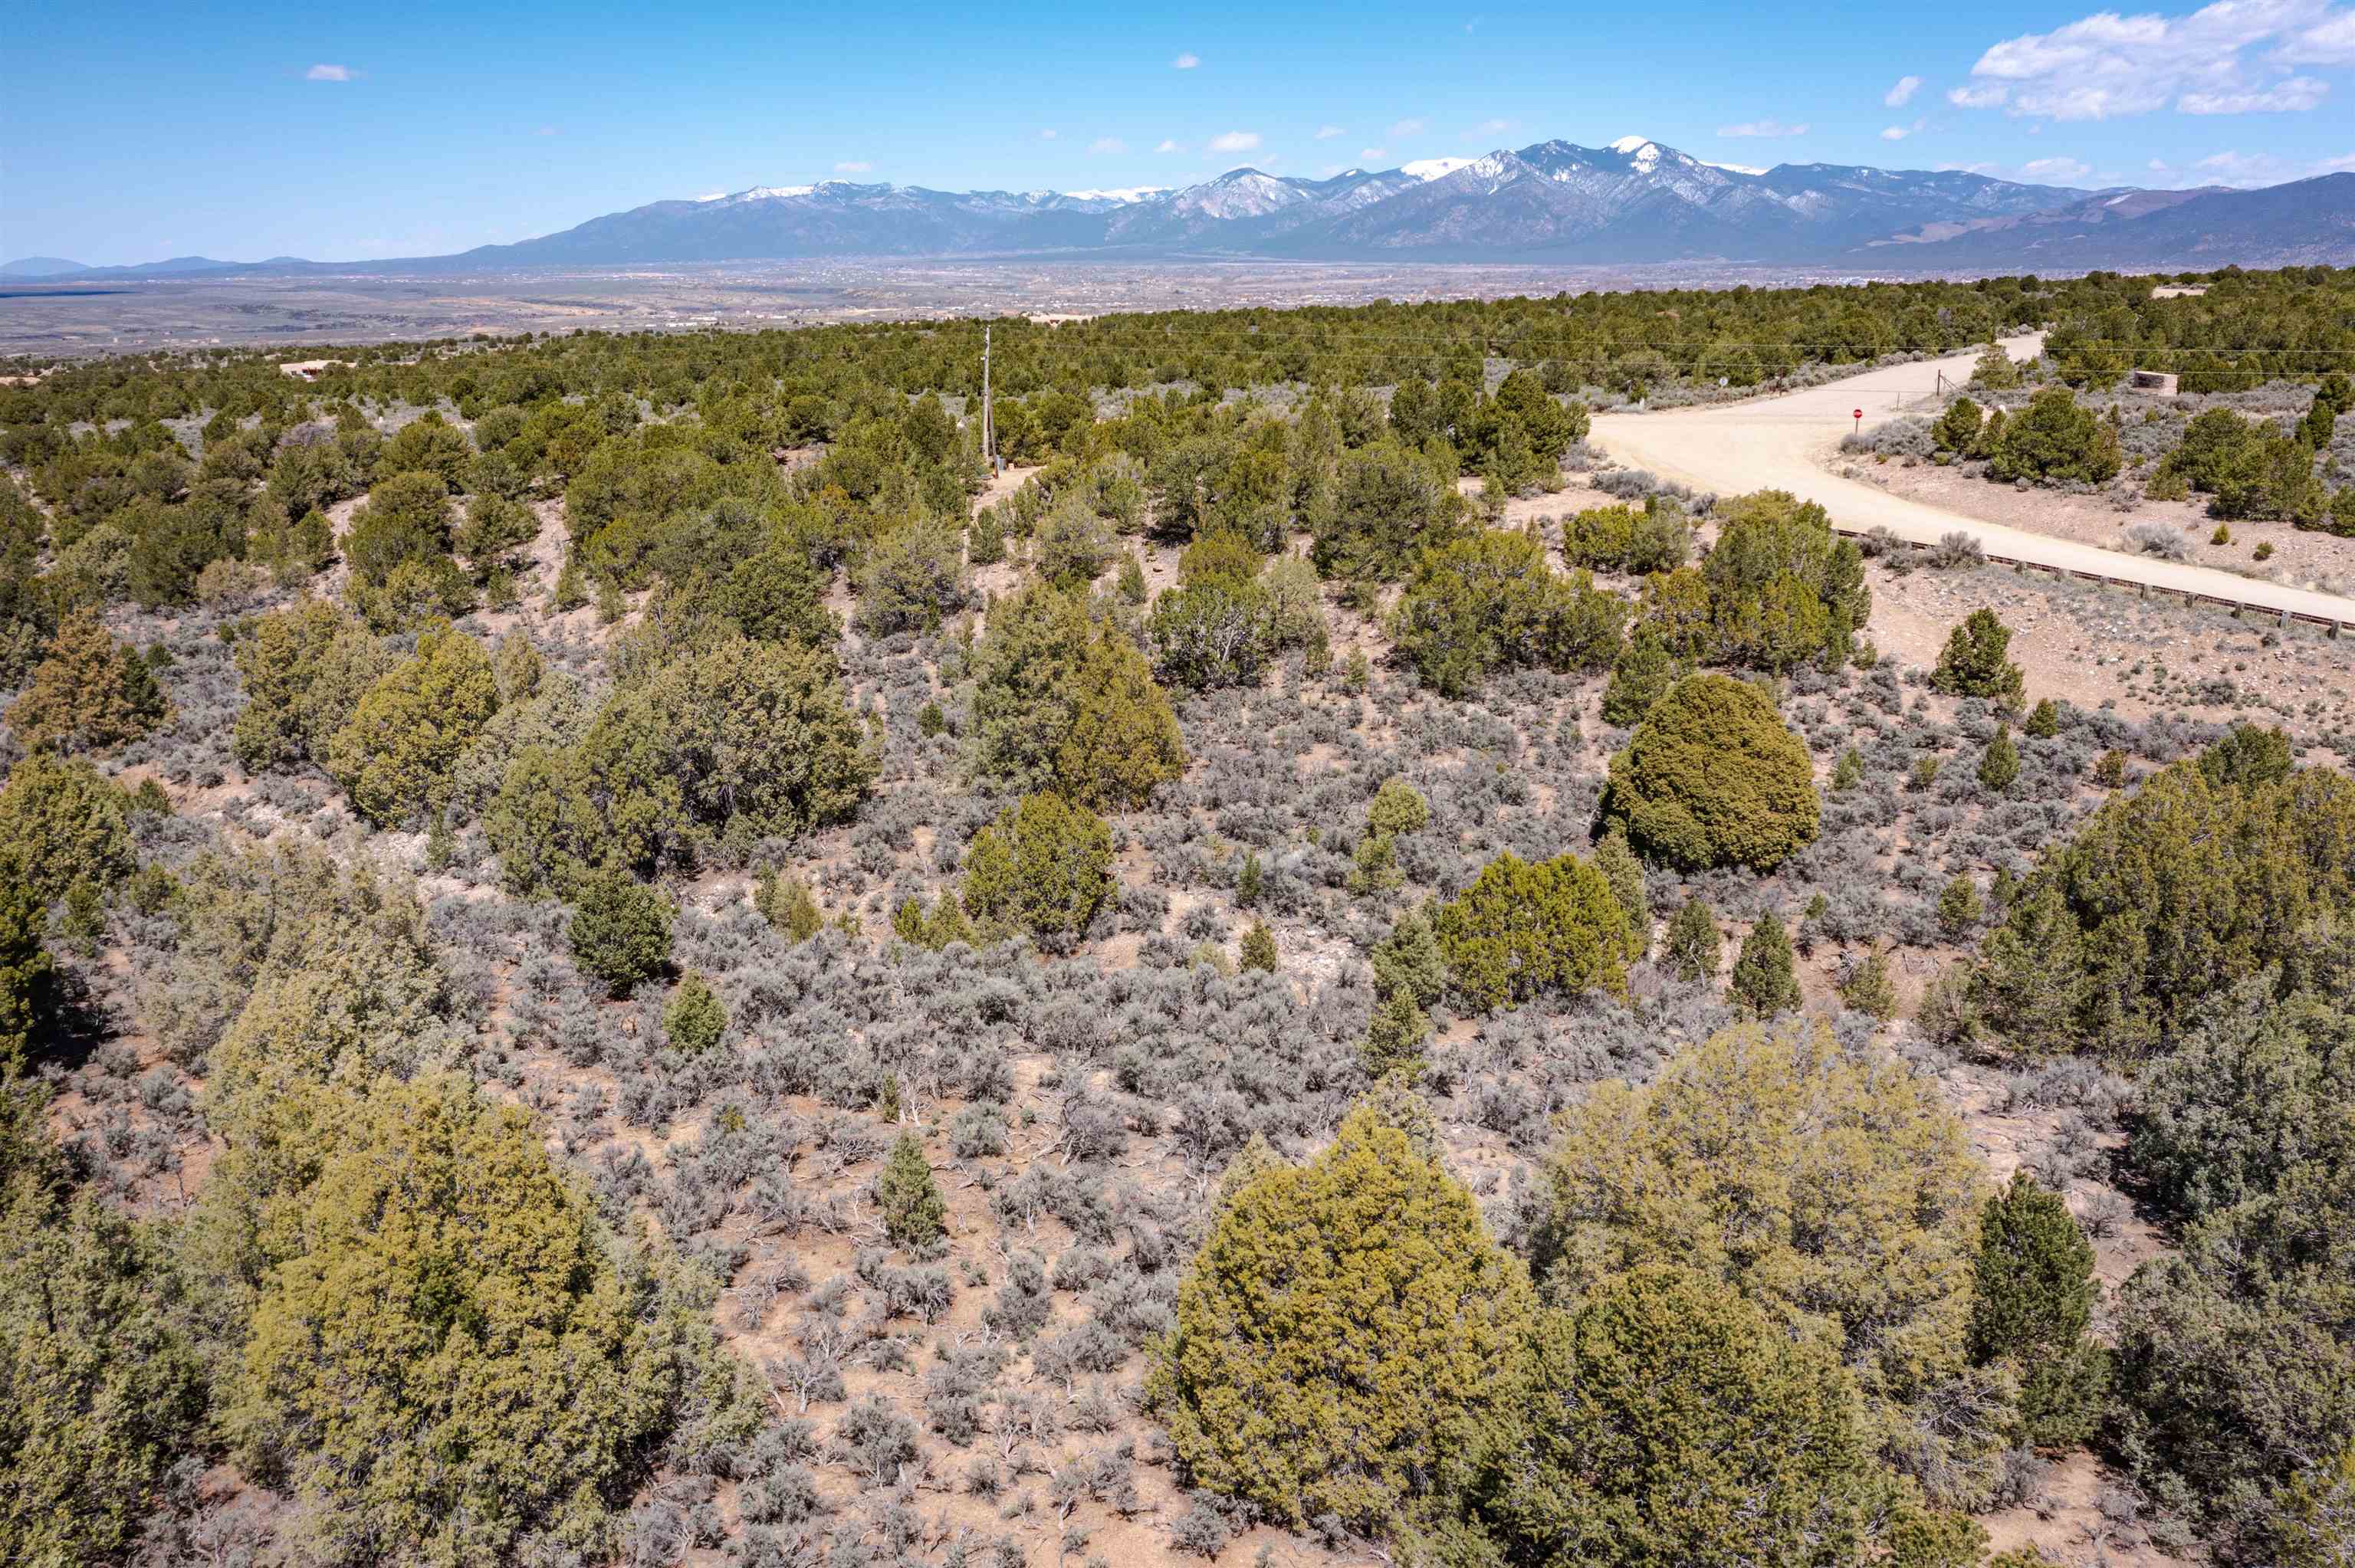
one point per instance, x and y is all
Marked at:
(2301, 557)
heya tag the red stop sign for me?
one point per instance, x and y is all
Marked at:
(1856, 414)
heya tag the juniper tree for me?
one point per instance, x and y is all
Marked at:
(436, 1276)
(914, 1215)
(1521, 930)
(2031, 1307)
(1713, 778)
(1044, 866)
(1839, 1158)
(1263, 1381)
(1617, 862)
(694, 1019)
(1764, 980)
(620, 930)
(1669, 1419)
(1694, 945)
(88, 694)
(786, 902)
(1999, 764)
(1975, 661)
(1869, 988)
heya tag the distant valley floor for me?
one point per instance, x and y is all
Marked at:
(249, 310)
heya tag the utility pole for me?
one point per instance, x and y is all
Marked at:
(989, 436)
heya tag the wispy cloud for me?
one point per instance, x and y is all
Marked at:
(2331, 41)
(1900, 95)
(1049, 135)
(1167, 145)
(1107, 144)
(2105, 66)
(1763, 128)
(329, 73)
(853, 166)
(2293, 96)
(1405, 129)
(1326, 132)
(1186, 61)
(1234, 141)
(2062, 169)
(2233, 168)
(1898, 133)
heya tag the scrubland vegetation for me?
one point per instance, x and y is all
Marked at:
(612, 951)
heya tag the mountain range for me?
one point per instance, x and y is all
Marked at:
(1634, 201)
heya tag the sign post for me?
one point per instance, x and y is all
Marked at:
(1859, 414)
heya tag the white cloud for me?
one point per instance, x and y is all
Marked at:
(2343, 164)
(853, 166)
(329, 73)
(1047, 135)
(1900, 95)
(1372, 155)
(1898, 133)
(1234, 141)
(1762, 128)
(2298, 93)
(2061, 169)
(1187, 61)
(1405, 129)
(2106, 65)
(2331, 41)
(1326, 132)
(1893, 133)
(1169, 146)
(1107, 144)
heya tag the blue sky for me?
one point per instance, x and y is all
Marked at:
(129, 133)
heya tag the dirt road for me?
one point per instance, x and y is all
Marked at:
(1786, 443)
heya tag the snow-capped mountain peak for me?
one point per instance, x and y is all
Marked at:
(1239, 193)
(1433, 168)
(1125, 195)
(760, 193)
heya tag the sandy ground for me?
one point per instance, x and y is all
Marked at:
(2301, 557)
(2097, 646)
(1786, 443)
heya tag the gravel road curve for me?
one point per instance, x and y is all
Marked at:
(1787, 443)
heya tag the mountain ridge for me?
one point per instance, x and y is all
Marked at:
(1634, 200)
